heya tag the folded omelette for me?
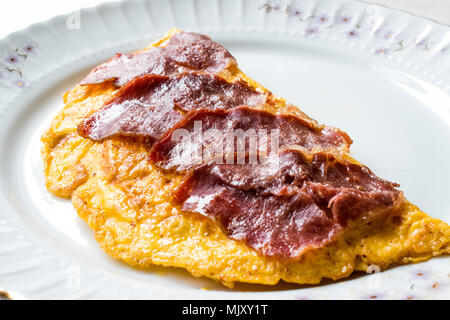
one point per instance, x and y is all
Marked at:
(317, 214)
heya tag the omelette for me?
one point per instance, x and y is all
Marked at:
(127, 198)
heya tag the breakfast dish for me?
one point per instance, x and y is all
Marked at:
(304, 211)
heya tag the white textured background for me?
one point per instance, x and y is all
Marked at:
(17, 14)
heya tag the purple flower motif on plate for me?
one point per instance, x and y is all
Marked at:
(19, 83)
(269, 8)
(292, 12)
(323, 18)
(345, 19)
(28, 48)
(311, 31)
(12, 59)
(353, 34)
(382, 51)
(389, 35)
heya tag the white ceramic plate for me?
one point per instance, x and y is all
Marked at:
(381, 75)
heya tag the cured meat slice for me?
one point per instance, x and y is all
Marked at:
(185, 52)
(286, 172)
(275, 226)
(220, 134)
(148, 105)
(305, 204)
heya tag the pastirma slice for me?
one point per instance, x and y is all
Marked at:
(184, 52)
(240, 130)
(150, 105)
(290, 205)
